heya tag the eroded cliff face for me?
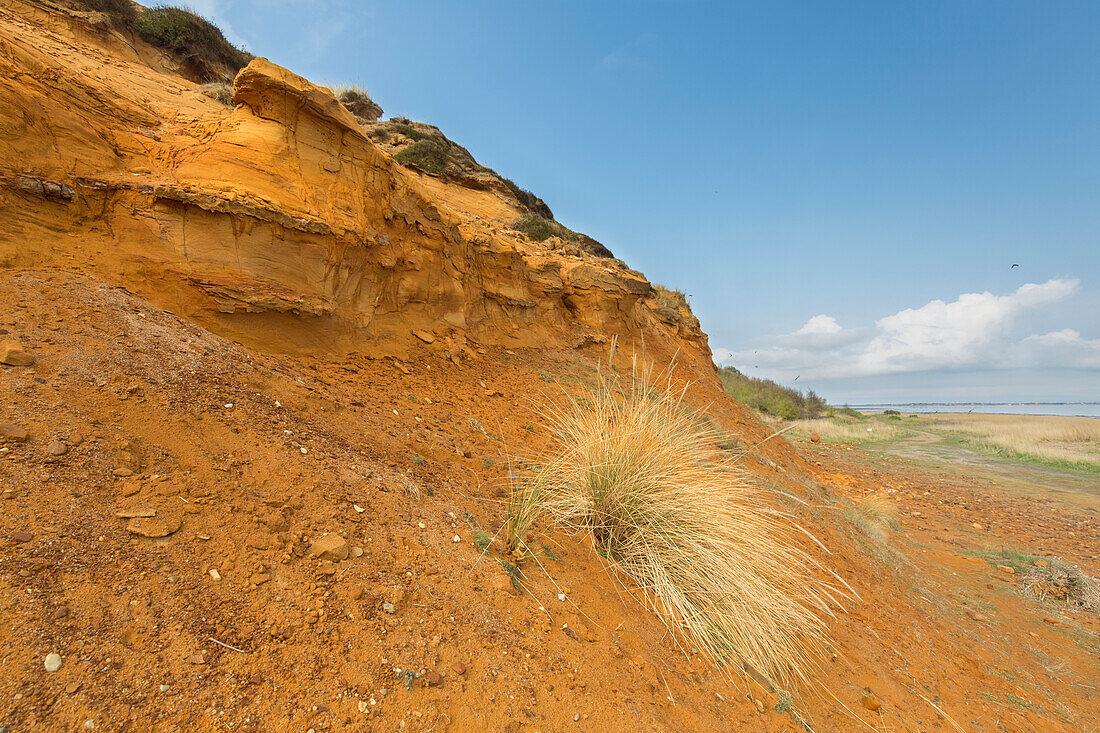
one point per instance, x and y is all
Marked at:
(110, 162)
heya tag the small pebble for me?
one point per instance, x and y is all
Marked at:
(457, 539)
(389, 607)
(165, 688)
(576, 717)
(53, 662)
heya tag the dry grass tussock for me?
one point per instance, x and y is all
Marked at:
(1057, 438)
(638, 471)
(836, 430)
(873, 515)
(1053, 580)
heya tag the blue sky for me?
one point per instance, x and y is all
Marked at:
(816, 175)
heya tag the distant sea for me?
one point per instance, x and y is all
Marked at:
(1070, 409)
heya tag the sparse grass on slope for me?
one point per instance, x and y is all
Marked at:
(200, 45)
(639, 472)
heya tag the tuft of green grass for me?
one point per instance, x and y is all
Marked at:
(428, 155)
(206, 54)
(638, 472)
(537, 228)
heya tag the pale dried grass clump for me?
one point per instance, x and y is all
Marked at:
(873, 515)
(833, 430)
(1054, 580)
(639, 471)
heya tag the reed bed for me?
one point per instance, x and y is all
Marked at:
(1042, 436)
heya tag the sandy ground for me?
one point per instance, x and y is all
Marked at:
(299, 500)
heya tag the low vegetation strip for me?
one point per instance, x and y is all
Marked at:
(639, 472)
(770, 398)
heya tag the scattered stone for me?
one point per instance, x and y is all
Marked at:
(259, 578)
(389, 607)
(976, 616)
(815, 438)
(153, 527)
(196, 659)
(12, 354)
(215, 574)
(22, 536)
(1050, 620)
(136, 513)
(357, 552)
(576, 717)
(57, 448)
(8, 493)
(330, 547)
(458, 668)
(456, 539)
(433, 678)
(53, 662)
(165, 688)
(759, 705)
(424, 336)
(1007, 569)
(871, 703)
(14, 433)
(123, 472)
(73, 687)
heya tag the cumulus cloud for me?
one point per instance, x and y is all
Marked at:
(977, 330)
(819, 324)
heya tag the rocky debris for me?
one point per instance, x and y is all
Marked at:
(331, 547)
(22, 536)
(57, 449)
(433, 678)
(12, 354)
(871, 703)
(53, 662)
(12, 432)
(425, 336)
(458, 668)
(1007, 569)
(153, 527)
(54, 190)
(389, 607)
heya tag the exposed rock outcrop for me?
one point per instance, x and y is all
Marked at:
(282, 205)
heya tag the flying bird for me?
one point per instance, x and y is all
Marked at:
(1013, 265)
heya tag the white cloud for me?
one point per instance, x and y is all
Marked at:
(819, 324)
(974, 331)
